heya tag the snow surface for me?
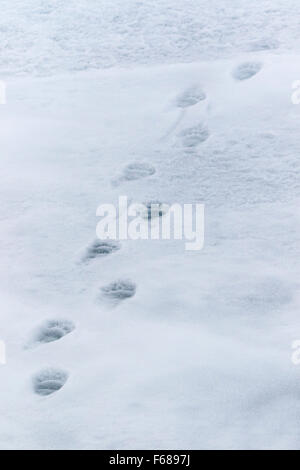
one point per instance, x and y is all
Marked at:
(200, 356)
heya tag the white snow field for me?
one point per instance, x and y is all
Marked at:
(196, 353)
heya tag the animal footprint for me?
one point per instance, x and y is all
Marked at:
(246, 70)
(49, 381)
(194, 136)
(154, 209)
(119, 290)
(53, 330)
(102, 248)
(135, 171)
(190, 97)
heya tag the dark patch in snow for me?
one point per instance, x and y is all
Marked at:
(49, 381)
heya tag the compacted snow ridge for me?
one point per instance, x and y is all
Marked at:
(142, 344)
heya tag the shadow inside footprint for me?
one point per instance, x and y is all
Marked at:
(49, 381)
(119, 290)
(53, 330)
(190, 97)
(135, 171)
(246, 70)
(194, 136)
(154, 209)
(102, 248)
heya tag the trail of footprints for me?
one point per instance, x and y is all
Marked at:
(193, 136)
(50, 380)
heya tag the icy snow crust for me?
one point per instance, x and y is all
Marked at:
(198, 356)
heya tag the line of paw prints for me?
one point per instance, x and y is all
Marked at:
(50, 380)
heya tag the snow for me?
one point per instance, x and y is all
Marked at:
(200, 356)
(45, 37)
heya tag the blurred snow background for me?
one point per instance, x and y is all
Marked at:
(200, 357)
